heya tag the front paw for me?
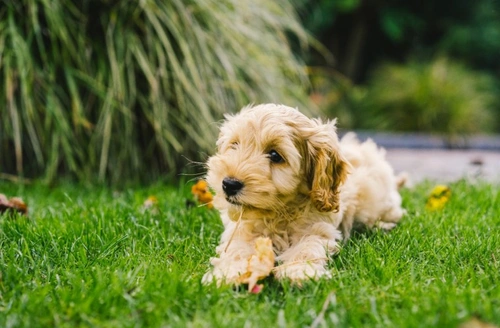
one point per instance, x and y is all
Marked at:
(225, 272)
(299, 272)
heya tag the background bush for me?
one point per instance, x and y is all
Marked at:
(361, 34)
(115, 89)
(440, 96)
(371, 40)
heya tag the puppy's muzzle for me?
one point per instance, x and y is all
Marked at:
(231, 186)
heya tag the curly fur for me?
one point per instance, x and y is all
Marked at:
(306, 203)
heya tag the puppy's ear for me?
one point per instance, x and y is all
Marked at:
(327, 168)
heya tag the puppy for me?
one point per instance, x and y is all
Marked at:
(281, 175)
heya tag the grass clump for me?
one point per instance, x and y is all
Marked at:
(112, 88)
(94, 257)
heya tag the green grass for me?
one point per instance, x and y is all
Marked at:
(93, 257)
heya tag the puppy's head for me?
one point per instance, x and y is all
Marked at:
(272, 156)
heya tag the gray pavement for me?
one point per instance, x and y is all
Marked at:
(445, 166)
(429, 157)
(431, 141)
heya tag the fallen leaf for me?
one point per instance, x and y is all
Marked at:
(260, 264)
(15, 204)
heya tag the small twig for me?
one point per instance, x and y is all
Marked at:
(234, 231)
(205, 204)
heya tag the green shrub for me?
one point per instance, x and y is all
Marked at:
(122, 88)
(335, 95)
(441, 96)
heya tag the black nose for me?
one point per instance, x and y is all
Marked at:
(231, 186)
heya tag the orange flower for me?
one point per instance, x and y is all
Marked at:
(202, 193)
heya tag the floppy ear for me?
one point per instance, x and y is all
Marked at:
(327, 168)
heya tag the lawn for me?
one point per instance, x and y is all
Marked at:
(94, 257)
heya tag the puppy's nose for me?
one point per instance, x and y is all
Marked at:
(231, 186)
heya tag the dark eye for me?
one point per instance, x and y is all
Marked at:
(275, 157)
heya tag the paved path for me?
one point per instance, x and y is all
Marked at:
(445, 165)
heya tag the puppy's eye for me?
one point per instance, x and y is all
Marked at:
(275, 157)
(234, 145)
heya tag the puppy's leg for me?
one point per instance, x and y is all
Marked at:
(236, 248)
(393, 214)
(308, 255)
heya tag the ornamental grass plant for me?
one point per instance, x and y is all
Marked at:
(108, 89)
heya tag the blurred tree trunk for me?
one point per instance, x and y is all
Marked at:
(348, 37)
(351, 62)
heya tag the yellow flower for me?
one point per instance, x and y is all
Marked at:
(151, 201)
(439, 196)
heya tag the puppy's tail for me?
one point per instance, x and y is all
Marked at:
(402, 179)
(350, 138)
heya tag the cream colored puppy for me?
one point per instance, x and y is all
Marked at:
(281, 175)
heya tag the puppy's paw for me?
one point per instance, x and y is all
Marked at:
(299, 272)
(208, 278)
(386, 225)
(225, 272)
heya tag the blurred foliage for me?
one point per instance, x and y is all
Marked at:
(477, 38)
(365, 35)
(335, 95)
(115, 89)
(439, 96)
(370, 31)
(318, 15)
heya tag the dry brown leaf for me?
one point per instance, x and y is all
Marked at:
(15, 204)
(260, 264)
